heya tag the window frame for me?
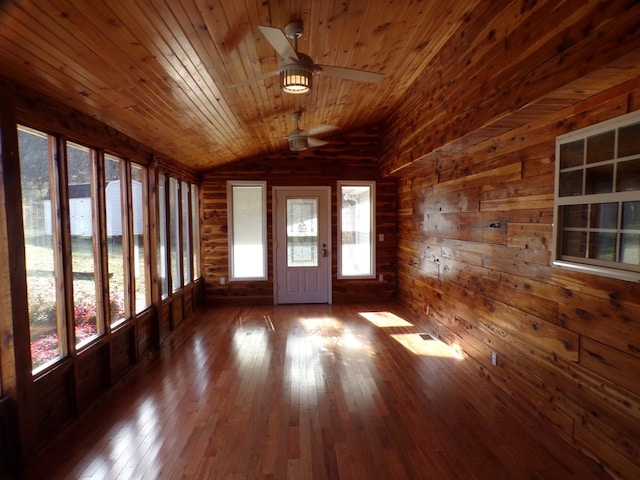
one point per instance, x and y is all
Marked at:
(372, 212)
(231, 184)
(612, 269)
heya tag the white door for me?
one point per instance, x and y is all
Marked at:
(301, 241)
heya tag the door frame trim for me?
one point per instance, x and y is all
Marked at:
(274, 191)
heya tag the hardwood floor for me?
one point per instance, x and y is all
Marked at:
(308, 392)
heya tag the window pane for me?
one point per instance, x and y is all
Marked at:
(116, 216)
(600, 147)
(571, 183)
(604, 215)
(575, 216)
(163, 270)
(572, 154)
(599, 179)
(85, 300)
(631, 215)
(628, 177)
(248, 228)
(602, 246)
(356, 231)
(45, 319)
(630, 248)
(140, 267)
(174, 234)
(195, 223)
(302, 232)
(574, 244)
(629, 140)
(186, 239)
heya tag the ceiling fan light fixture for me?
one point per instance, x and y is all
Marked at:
(295, 79)
(298, 143)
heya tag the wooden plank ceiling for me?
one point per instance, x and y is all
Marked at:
(159, 70)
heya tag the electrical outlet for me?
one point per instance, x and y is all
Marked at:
(494, 358)
(428, 310)
(222, 281)
(380, 277)
(381, 237)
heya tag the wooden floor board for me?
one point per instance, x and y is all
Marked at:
(309, 392)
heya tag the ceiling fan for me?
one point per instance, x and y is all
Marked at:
(296, 68)
(302, 139)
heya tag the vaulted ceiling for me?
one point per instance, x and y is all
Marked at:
(160, 70)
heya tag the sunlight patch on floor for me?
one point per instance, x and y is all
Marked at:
(329, 331)
(385, 319)
(432, 347)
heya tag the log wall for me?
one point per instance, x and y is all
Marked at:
(350, 156)
(474, 253)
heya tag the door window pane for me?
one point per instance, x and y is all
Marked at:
(247, 239)
(85, 300)
(302, 232)
(116, 218)
(356, 230)
(46, 315)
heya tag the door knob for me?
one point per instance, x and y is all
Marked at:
(324, 249)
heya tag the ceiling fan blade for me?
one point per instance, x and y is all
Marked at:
(350, 73)
(254, 79)
(316, 142)
(321, 129)
(278, 40)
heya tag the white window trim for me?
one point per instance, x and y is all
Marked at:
(372, 212)
(583, 133)
(246, 183)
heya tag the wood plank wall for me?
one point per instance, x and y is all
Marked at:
(568, 344)
(348, 156)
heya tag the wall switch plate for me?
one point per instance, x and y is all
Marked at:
(381, 237)
(494, 358)
(380, 277)
(222, 281)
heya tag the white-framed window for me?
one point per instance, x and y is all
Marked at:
(356, 223)
(597, 199)
(247, 222)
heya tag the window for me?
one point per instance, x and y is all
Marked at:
(44, 273)
(186, 234)
(356, 220)
(116, 218)
(81, 165)
(163, 269)
(247, 203)
(174, 234)
(597, 199)
(195, 224)
(141, 273)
